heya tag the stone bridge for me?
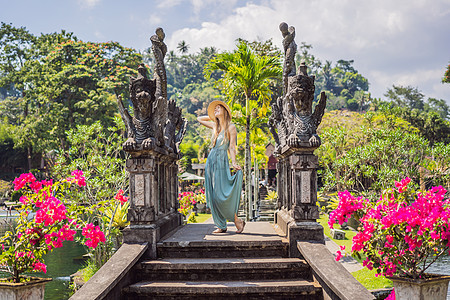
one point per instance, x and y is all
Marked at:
(161, 258)
(192, 263)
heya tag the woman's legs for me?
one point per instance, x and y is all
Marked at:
(240, 224)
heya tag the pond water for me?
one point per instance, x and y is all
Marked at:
(61, 263)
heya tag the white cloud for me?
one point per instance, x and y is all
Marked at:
(154, 19)
(88, 3)
(391, 41)
(223, 35)
(419, 78)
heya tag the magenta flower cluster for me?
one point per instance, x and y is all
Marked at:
(120, 197)
(403, 232)
(44, 223)
(93, 234)
(188, 199)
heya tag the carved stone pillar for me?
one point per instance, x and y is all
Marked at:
(153, 208)
(142, 177)
(297, 198)
(303, 176)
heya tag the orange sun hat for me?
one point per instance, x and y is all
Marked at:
(213, 105)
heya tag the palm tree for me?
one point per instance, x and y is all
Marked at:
(246, 80)
(183, 47)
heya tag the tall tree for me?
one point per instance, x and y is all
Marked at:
(407, 96)
(246, 79)
(61, 82)
(15, 51)
(446, 78)
(183, 47)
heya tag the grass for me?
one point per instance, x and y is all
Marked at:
(349, 234)
(89, 270)
(367, 278)
(364, 276)
(202, 217)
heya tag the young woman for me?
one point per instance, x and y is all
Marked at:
(223, 191)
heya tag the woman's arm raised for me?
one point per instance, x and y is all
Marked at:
(206, 121)
(233, 135)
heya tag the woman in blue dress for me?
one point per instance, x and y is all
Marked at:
(223, 190)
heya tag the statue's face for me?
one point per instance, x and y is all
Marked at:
(139, 86)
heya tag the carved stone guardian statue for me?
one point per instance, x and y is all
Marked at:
(146, 129)
(292, 122)
(154, 132)
(293, 125)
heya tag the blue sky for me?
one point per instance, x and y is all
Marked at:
(405, 42)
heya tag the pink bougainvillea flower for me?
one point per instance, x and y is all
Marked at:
(348, 204)
(403, 184)
(338, 255)
(39, 267)
(22, 180)
(119, 196)
(78, 178)
(24, 200)
(93, 235)
(391, 295)
(36, 186)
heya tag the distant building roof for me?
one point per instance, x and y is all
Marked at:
(190, 176)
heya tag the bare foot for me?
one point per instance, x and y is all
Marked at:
(218, 230)
(241, 227)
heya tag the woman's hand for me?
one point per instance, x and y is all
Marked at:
(236, 166)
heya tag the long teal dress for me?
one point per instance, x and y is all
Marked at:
(223, 190)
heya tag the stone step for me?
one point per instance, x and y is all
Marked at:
(259, 239)
(224, 269)
(222, 249)
(248, 289)
(269, 218)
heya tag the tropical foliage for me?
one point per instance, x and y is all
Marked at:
(46, 219)
(54, 82)
(402, 233)
(246, 80)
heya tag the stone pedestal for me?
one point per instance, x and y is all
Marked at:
(297, 197)
(153, 208)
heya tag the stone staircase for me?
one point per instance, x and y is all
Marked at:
(267, 209)
(193, 263)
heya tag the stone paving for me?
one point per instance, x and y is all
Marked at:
(253, 232)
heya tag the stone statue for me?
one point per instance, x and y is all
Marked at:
(302, 121)
(292, 122)
(140, 129)
(174, 122)
(151, 126)
(159, 50)
(290, 49)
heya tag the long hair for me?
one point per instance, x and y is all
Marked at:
(219, 127)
